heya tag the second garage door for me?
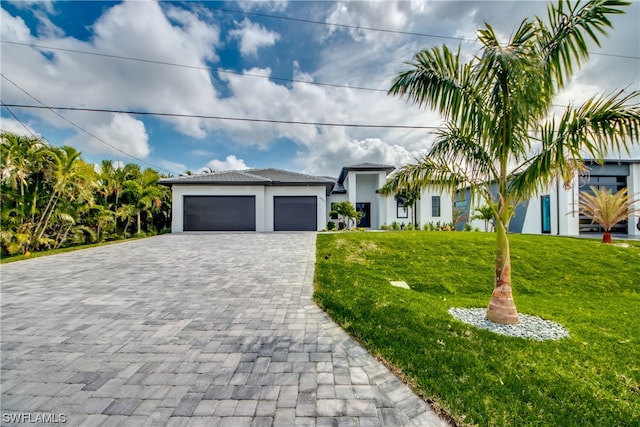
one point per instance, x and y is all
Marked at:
(295, 213)
(219, 213)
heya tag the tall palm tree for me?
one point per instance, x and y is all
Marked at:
(143, 193)
(72, 179)
(496, 106)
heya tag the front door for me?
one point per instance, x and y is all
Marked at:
(545, 201)
(365, 208)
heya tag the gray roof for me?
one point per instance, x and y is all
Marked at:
(266, 176)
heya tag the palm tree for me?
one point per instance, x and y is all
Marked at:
(72, 179)
(144, 193)
(485, 213)
(498, 139)
(606, 209)
(347, 212)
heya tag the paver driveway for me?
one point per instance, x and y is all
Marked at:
(187, 329)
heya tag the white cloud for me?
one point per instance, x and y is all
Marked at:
(123, 132)
(230, 163)
(66, 78)
(16, 127)
(47, 5)
(268, 5)
(176, 168)
(172, 34)
(253, 36)
(202, 153)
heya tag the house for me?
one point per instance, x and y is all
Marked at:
(554, 210)
(277, 200)
(359, 185)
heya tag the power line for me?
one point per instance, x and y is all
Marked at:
(43, 106)
(381, 30)
(195, 67)
(238, 119)
(331, 24)
(17, 119)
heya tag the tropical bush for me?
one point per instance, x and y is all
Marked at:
(51, 198)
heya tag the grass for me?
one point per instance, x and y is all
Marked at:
(591, 378)
(5, 259)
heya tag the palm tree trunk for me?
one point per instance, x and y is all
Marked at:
(45, 217)
(139, 223)
(502, 308)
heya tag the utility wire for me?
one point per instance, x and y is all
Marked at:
(199, 67)
(357, 27)
(238, 119)
(195, 67)
(18, 120)
(53, 110)
(331, 24)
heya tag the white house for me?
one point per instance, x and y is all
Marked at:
(277, 200)
(359, 185)
(554, 211)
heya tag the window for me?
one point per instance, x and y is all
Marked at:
(401, 211)
(435, 206)
(545, 202)
(334, 215)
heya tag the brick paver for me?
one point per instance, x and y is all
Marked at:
(188, 329)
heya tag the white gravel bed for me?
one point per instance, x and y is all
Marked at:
(532, 327)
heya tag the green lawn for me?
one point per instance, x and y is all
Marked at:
(593, 290)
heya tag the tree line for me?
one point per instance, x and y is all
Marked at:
(51, 198)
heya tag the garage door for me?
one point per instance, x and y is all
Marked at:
(295, 213)
(219, 213)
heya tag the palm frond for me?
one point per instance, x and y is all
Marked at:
(605, 208)
(563, 40)
(428, 171)
(437, 80)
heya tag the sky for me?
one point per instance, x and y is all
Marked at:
(271, 61)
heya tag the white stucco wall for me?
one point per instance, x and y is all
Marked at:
(179, 191)
(264, 201)
(633, 183)
(271, 192)
(564, 217)
(425, 207)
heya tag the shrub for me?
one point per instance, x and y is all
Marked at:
(331, 225)
(395, 226)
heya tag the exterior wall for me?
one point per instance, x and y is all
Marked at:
(179, 191)
(334, 198)
(424, 211)
(366, 186)
(264, 201)
(563, 206)
(361, 187)
(633, 183)
(270, 192)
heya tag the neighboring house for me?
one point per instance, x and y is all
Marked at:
(277, 200)
(554, 211)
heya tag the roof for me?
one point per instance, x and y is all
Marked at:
(364, 167)
(370, 166)
(267, 176)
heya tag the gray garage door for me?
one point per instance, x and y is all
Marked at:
(295, 213)
(219, 213)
